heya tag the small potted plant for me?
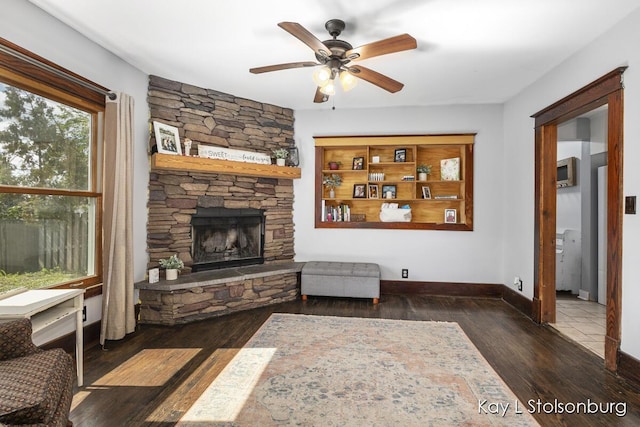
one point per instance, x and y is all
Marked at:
(281, 155)
(172, 264)
(423, 170)
(331, 182)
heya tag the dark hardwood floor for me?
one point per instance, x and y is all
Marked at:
(153, 376)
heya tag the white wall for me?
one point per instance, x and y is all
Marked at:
(29, 27)
(615, 48)
(448, 256)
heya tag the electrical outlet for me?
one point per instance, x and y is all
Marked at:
(517, 282)
(84, 313)
(405, 273)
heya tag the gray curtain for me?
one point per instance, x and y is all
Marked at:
(118, 318)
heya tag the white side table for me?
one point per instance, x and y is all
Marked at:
(46, 307)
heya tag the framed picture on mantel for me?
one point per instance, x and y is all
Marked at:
(167, 139)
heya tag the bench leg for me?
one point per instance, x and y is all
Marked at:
(376, 300)
(304, 297)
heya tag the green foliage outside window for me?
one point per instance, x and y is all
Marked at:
(47, 237)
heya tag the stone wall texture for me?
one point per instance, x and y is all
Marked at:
(187, 305)
(214, 118)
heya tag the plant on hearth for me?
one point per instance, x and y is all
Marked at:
(172, 263)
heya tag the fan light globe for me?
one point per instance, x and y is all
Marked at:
(329, 88)
(347, 81)
(322, 76)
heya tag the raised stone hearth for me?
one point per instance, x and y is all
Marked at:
(217, 292)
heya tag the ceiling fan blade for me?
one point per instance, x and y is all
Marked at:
(386, 83)
(382, 47)
(306, 37)
(320, 97)
(286, 66)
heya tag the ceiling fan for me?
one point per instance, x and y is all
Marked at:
(334, 55)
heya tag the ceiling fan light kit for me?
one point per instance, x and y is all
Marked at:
(333, 55)
(322, 76)
(347, 81)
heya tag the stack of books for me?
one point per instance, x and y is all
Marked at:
(340, 213)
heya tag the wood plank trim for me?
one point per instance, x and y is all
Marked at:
(468, 187)
(585, 99)
(629, 368)
(199, 164)
(545, 225)
(405, 287)
(399, 140)
(518, 301)
(32, 72)
(318, 187)
(450, 289)
(615, 209)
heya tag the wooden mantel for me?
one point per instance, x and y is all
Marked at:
(199, 164)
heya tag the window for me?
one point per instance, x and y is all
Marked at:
(50, 202)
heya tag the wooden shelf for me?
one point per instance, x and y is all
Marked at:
(427, 214)
(199, 164)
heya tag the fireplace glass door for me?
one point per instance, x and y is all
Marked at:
(227, 238)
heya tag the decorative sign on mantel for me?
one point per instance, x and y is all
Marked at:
(221, 153)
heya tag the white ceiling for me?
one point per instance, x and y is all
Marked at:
(469, 51)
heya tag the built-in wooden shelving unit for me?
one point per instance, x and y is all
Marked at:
(372, 167)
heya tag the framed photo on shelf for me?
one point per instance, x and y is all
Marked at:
(359, 191)
(400, 155)
(373, 191)
(450, 216)
(167, 139)
(358, 163)
(389, 190)
(426, 192)
(450, 169)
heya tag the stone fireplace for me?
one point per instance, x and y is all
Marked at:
(225, 238)
(233, 230)
(177, 198)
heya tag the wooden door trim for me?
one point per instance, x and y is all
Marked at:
(615, 211)
(606, 90)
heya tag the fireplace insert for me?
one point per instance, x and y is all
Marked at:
(223, 237)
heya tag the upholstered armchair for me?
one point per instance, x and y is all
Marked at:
(36, 386)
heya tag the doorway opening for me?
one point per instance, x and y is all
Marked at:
(581, 230)
(608, 90)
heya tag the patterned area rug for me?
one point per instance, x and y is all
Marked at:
(333, 371)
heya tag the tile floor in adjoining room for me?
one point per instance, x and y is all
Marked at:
(583, 322)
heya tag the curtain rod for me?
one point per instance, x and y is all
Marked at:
(56, 71)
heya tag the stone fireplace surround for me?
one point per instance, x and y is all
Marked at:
(214, 118)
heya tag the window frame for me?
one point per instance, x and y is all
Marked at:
(20, 71)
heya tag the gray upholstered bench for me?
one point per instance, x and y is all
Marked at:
(341, 279)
